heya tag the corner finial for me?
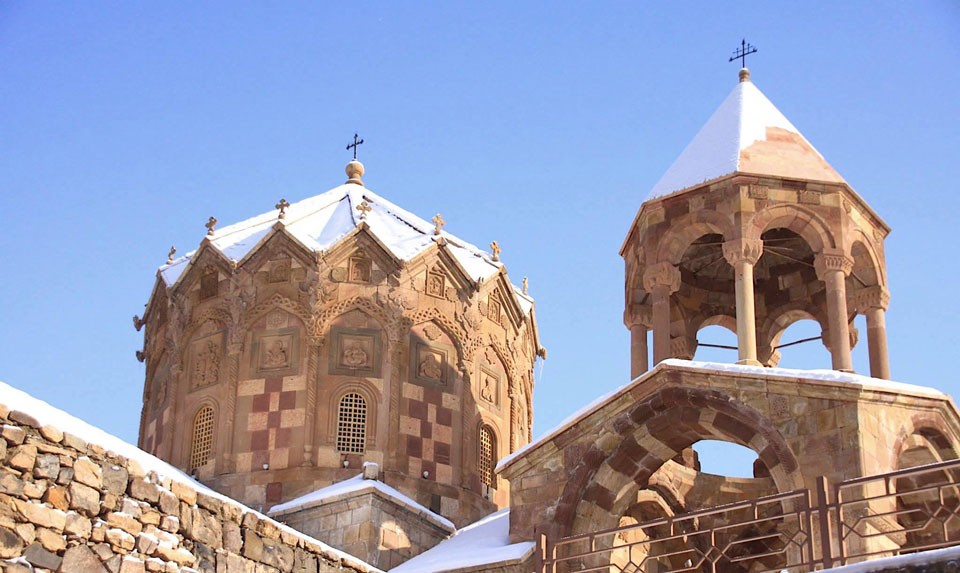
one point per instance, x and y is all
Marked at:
(495, 247)
(526, 285)
(282, 206)
(173, 251)
(211, 224)
(438, 222)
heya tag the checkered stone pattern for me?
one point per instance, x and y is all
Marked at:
(153, 433)
(426, 431)
(271, 419)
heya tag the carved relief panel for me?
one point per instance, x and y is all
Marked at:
(275, 351)
(432, 356)
(355, 351)
(279, 270)
(206, 355)
(359, 269)
(491, 380)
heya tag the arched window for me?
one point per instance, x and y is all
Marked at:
(352, 424)
(202, 449)
(488, 453)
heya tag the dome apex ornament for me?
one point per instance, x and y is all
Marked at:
(741, 54)
(495, 247)
(282, 206)
(173, 251)
(355, 169)
(438, 222)
(211, 225)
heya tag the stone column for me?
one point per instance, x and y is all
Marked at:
(872, 302)
(637, 318)
(833, 266)
(661, 280)
(743, 254)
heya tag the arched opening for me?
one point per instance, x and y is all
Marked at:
(921, 498)
(201, 447)
(352, 424)
(487, 456)
(801, 345)
(716, 343)
(726, 459)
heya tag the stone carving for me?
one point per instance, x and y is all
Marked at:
(494, 309)
(276, 355)
(743, 250)
(280, 270)
(662, 275)
(276, 319)
(206, 364)
(338, 274)
(360, 269)
(430, 368)
(758, 192)
(488, 389)
(435, 284)
(432, 331)
(354, 356)
(491, 355)
(828, 261)
(808, 197)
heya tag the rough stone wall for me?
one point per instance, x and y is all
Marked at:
(70, 506)
(273, 344)
(374, 529)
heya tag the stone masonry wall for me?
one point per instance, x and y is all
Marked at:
(70, 506)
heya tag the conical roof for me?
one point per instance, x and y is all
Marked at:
(320, 222)
(747, 134)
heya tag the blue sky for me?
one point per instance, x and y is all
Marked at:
(540, 125)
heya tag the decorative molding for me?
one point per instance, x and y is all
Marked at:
(662, 275)
(742, 250)
(832, 260)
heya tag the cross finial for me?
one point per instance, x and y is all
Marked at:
(356, 142)
(742, 52)
(211, 223)
(495, 247)
(364, 208)
(282, 205)
(439, 222)
(173, 251)
(526, 284)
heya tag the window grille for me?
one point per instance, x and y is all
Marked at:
(352, 424)
(202, 449)
(488, 448)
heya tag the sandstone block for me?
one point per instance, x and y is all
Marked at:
(84, 499)
(51, 540)
(10, 544)
(155, 564)
(120, 539)
(13, 435)
(169, 503)
(170, 523)
(140, 488)
(23, 418)
(104, 552)
(113, 564)
(74, 442)
(232, 538)
(10, 484)
(277, 555)
(180, 556)
(147, 544)
(34, 489)
(27, 532)
(65, 476)
(88, 473)
(41, 515)
(205, 528)
(23, 457)
(114, 478)
(46, 466)
(17, 568)
(150, 516)
(210, 503)
(252, 545)
(81, 559)
(51, 433)
(37, 556)
(3, 449)
(184, 492)
(57, 497)
(77, 525)
(124, 521)
(131, 565)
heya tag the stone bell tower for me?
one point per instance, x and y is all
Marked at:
(752, 229)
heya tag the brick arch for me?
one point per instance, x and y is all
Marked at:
(654, 430)
(777, 323)
(925, 428)
(801, 221)
(866, 256)
(448, 326)
(687, 229)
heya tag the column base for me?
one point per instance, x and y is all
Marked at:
(749, 362)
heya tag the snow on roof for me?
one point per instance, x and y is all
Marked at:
(900, 562)
(46, 414)
(319, 222)
(484, 542)
(747, 133)
(796, 374)
(357, 485)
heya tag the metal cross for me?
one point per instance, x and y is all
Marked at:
(356, 141)
(364, 208)
(211, 223)
(282, 205)
(439, 222)
(496, 250)
(173, 251)
(742, 52)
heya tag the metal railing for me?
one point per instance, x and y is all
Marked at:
(889, 514)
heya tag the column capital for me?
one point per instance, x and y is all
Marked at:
(662, 274)
(683, 347)
(832, 260)
(870, 297)
(743, 250)
(637, 315)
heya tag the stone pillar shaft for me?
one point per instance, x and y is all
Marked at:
(743, 254)
(639, 353)
(832, 268)
(877, 343)
(661, 323)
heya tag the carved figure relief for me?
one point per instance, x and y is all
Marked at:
(205, 365)
(355, 352)
(488, 389)
(430, 367)
(279, 270)
(276, 351)
(360, 269)
(493, 309)
(436, 284)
